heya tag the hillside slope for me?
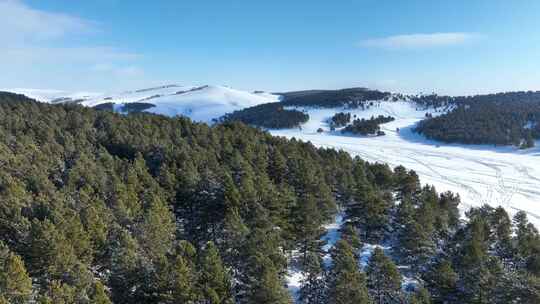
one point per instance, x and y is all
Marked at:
(200, 103)
(481, 174)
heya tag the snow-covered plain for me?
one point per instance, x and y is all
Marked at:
(481, 174)
(200, 103)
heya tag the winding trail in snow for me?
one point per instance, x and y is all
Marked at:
(481, 174)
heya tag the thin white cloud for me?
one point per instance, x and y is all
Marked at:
(40, 43)
(420, 41)
(21, 23)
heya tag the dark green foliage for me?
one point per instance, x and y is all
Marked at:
(214, 280)
(313, 289)
(107, 106)
(99, 295)
(442, 280)
(367, 126)
(136, 107)
(340, 120)
(384, 279)
(278, 116)
(269, 115)
(347, 284)
(15, 283)
(500, 119)
(353, 97)
(97, 207)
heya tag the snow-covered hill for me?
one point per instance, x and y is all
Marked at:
(481, 174)
(200, 103)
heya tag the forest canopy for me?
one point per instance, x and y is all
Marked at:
(500, 119)
(99, 207)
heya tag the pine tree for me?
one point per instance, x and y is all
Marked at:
(502, 234)
(350, 235)
(234, 229)
(369, 212)
(420, 296)
(307, 222)
(526, 239)
(442, 280)
(277, 167)
(416, 245)
(157, 230)
(14, 197)
(384, 279)
(449, 202)
(60, 293)
(312, 290)
(184, 281)
(478, 271)
(214, 279)
(51, 255)
(262, 264)
(126, 268)
(99, 295)
(347, 284)
(15, 283)
(268, 287)
(407, 182)
(529, 141)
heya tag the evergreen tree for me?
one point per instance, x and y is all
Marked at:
(184, 281)
(369, 212)
(502, 234)
(60, 293)
(214, 279)
(347, 284)
(15, 283)
(350, 235)
(234, 229)
(384, 279)
(157, 230)
(449, 202)
(478, 272)
(307, 223)
(263, 264)
(420, 296)
(126, 269)
(312, 289)
(526, 238)
(268, 288)
(442, 280)
(99, 295)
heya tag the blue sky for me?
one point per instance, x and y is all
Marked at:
(450, 47)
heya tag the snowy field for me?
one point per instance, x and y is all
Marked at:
(498, 176)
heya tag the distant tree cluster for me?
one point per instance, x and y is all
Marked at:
(282, 115)
(368, 126)
(351, 98)
(435, 100)
(487, 122)
(135, 107)
(340, 120)
(98, 207)
(269, 115)
(106, 106)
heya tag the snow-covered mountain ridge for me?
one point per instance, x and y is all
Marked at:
(200, 103)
